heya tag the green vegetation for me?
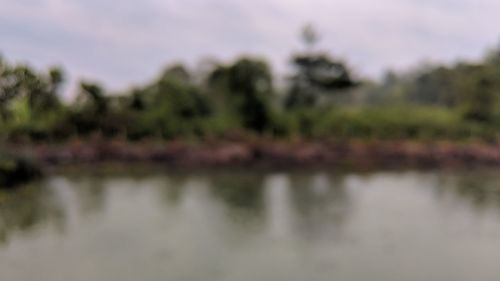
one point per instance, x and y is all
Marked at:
(322, 99)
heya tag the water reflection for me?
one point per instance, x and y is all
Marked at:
(249, 225)
(280, 212)
(307, 205)
(24, 210)
(321, 198)
(465, 190)
(241, 193)
(481, 189)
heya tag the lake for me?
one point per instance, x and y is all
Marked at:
(250, 225)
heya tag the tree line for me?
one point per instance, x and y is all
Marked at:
(322, 98)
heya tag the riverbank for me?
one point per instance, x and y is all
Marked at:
(14, 171)
(265, 153)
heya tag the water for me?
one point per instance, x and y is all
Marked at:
(247, 226)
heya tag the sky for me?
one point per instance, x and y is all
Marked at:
(126, 42)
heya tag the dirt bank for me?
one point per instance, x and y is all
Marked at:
(265, 153)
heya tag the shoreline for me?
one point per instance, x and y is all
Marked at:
(264, 153)
(15, 171)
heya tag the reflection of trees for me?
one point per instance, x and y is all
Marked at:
(321, 202)
(479, 189)
(308, 205)
(53, 201)
(240, 192)
(82, 194)
(26, 208)
(91, 195)
(172, 188)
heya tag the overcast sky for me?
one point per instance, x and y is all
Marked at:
(129, 41)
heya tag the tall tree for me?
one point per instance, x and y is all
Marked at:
(316, 74)
(246, 90)
(93, 98)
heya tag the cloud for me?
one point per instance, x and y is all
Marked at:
(128, 42)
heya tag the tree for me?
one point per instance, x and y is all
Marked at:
(434, 86)
(169, 106)
(245, 88)
(56, 78)
(477, 92)
(316, 74)
(309, 36)
(93, 98)
(38, 90)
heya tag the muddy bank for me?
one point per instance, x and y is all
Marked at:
(265, 153)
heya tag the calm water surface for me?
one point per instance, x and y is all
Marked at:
(248, 226)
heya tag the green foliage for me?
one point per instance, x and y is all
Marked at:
(29, 101)
(169, 107)
(245, 89)
(473, 89)
(92, 98)
(316, 75)
(457, 102)
(393, 122)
